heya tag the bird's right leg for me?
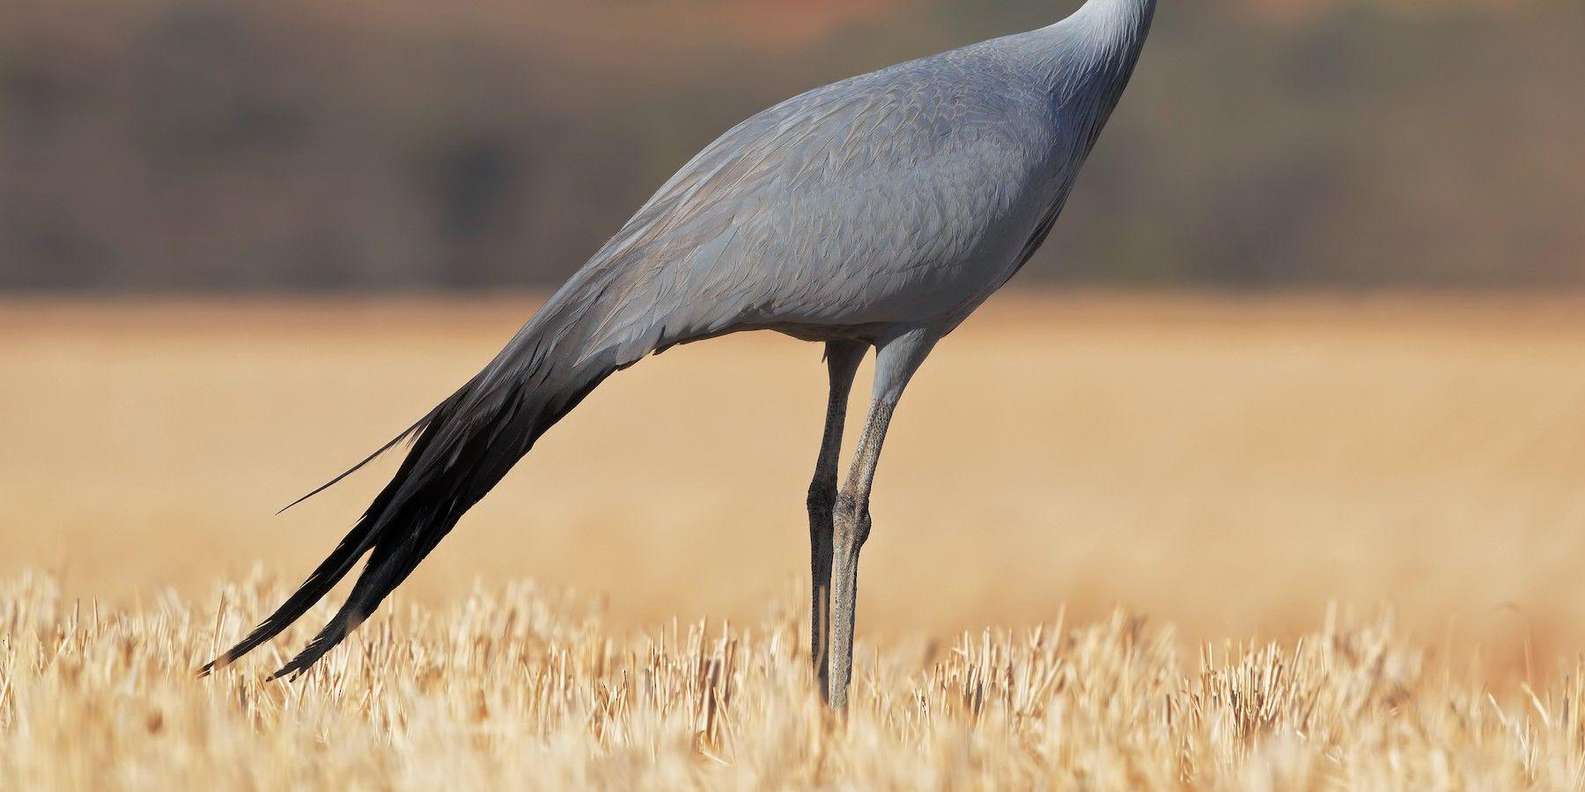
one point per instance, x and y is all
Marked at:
(842, 363)
(895, 363)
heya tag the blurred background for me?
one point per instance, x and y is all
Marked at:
(306, 145)
(1309, 330)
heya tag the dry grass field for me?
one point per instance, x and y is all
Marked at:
(1192, 542)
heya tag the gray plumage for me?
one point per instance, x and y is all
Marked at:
(877, 211)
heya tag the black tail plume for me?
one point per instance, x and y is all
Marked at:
(459, 452)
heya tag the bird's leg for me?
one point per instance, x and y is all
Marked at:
(895, 363)
(842, 363)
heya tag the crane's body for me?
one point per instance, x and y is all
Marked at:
(899, 198)
(879, 211)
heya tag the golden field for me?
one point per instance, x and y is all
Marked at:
(1368, 508)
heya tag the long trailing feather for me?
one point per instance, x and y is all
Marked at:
(459, 451)
(406, 433)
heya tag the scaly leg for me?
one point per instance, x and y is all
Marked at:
(895, 363)
(842, 363)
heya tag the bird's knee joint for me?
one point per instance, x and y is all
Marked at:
(852, 521)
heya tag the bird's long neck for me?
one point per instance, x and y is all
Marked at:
(1088, 60)
(1111, 29)
(1091, 54)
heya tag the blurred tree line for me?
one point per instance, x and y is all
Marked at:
(310, 144)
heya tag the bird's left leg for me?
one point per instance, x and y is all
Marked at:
(895, 363)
